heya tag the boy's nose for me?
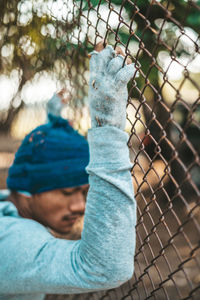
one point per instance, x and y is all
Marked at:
(78, 204)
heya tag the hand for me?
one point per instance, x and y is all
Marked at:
(108, 86)
(57, 102)
(64, 96)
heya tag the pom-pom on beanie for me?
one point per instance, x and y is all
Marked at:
(52, 156)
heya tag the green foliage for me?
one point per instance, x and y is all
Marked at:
(193, 19)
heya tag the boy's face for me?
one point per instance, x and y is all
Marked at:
(59, 209)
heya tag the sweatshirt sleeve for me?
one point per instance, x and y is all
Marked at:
(36, 262)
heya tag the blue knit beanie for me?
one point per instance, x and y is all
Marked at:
(52, 156)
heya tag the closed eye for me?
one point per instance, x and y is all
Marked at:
(70, 192)
(74, 191)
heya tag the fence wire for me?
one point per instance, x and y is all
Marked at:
(163, 120)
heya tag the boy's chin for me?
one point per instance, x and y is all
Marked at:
(73, 233)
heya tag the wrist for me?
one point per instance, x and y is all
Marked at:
(107, 144)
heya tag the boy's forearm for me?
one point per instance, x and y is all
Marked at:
(108, 239)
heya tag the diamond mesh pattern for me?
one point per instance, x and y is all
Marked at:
(163, 120)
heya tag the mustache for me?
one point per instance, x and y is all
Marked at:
(72, 216)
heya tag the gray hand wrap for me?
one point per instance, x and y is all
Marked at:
(54, 106)
(108, 88)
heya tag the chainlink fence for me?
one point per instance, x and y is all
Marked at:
(51, 40)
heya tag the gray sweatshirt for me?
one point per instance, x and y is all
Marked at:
(34, 263)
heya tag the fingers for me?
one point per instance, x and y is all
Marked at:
(115, 64)
(107, 54)
(118, 62)
(94, 62)
(94, 59)
(103, 56)
(119, 51)
(100, 46)
(99, 60)
(64, 96)
(128, 60)
(61, 92)
(66, 99)
(125, 74)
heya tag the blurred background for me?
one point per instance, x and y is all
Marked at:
(44, 46)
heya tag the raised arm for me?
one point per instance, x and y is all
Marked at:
(103, 258)
(108, 236)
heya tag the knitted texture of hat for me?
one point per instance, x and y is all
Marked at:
(52, 156)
